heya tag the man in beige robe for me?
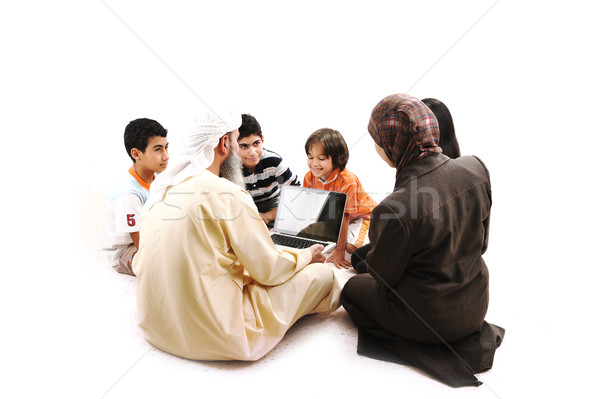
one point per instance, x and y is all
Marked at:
(210, 283)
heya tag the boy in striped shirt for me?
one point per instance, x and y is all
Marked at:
(264, 171)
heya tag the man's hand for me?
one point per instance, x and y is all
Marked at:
(317, 253)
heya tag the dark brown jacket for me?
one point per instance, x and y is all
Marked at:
(428, 237)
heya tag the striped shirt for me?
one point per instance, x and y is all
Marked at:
(264, 184)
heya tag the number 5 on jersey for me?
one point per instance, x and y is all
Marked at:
(131, 219)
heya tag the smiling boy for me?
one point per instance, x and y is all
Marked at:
(327, 155)
(264, 171)
(147, 146)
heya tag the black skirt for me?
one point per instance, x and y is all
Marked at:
(453, 363)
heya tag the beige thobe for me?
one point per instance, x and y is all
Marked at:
(210, 283)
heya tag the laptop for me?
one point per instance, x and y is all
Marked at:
(307, 216)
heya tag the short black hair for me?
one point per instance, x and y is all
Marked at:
(139, 131)
(249, 127)
(334, 146)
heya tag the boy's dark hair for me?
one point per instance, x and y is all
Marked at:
(138, 132)
(249, 127)
(334, 146)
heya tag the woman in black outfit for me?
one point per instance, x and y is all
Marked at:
(425, 294)
(449, 145)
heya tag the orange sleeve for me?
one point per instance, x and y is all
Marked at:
(348, 185)
(359, 203)
(366, 204)
(307, 180)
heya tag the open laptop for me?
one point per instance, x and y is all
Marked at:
(306, 216)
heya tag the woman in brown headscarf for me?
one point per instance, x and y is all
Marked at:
(425, 296)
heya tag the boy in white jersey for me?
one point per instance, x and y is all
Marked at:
(147, 146)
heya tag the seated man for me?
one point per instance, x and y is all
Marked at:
(211, 284)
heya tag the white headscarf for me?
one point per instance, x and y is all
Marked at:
(196, 152)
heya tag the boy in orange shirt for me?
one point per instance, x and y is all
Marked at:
(327, 154)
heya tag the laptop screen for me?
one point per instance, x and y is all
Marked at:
(310, 213)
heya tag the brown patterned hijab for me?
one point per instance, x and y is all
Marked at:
(405, 128)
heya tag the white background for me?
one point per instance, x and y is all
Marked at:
(521, 81)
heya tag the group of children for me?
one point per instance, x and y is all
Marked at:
(264, 173)
(327, 155)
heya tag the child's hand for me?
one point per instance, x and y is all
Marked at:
(317, 253)
(339, 261)
(264, 218)
(350, 248)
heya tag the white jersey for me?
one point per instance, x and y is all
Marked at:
(122, 215)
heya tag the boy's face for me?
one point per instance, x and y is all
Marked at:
(251, 151)
(156, 155)
(320, 165)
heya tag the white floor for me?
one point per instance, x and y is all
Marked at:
(316, 357)
(74, 335)
(520, 79)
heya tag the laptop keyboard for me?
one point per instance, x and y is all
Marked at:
(294, 242)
